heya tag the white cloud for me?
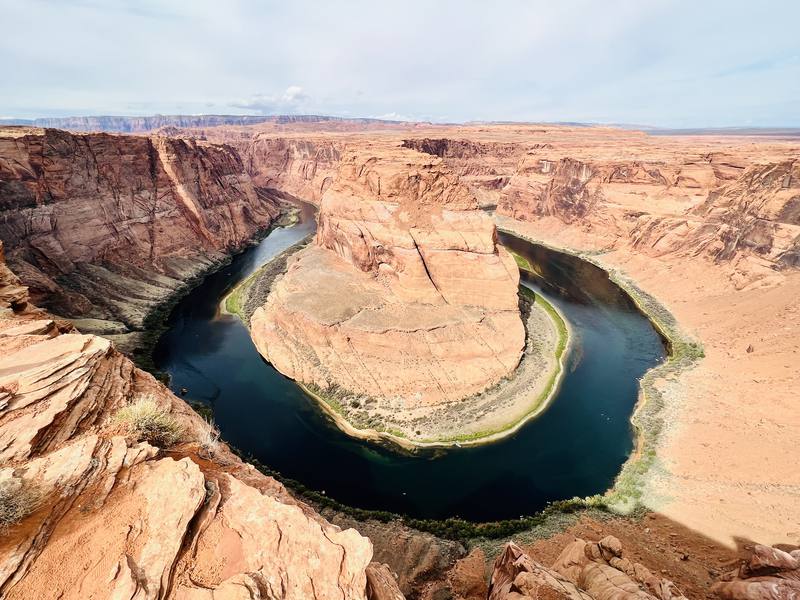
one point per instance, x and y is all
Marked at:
(291, 101)
(656, 62)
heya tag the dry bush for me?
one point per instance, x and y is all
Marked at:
(18, 499)
(147, 421)
(209, 440)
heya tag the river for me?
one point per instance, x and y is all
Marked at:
(575, 448)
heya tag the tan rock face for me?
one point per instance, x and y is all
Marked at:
(405, 295)
(720, 206)
(115, 518)
(107, 226)
(583, 571)
(304, 168)
(768, 574)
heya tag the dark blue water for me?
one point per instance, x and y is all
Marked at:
(575, 448)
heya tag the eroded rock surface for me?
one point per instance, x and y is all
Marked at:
(768, 574)
(405, 297)
(113, 517)
(583, 571)
(106, 226)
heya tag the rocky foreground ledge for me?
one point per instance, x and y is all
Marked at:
(94, 507)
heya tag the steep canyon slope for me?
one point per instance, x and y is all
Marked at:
(706, 224)
(104, 227)
(108, 514)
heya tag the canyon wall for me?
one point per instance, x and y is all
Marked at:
(301, 167)
(106, 227)
(405, 295)
(101, 513)
(721, 207)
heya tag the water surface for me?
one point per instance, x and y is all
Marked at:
(575, 448)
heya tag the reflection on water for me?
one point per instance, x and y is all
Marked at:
(574, 449)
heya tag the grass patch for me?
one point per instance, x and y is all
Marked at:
(522, 262)
(18, 499)
(146, 421)
(234, 301)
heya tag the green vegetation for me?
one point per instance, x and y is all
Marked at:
(648, 418)
(453, 528)
(522, 262)
(234, 300)
(18, 498)
(146, 421)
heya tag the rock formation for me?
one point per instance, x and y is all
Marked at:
(105, 227)
(583, 571)
(706, 206)
(300, 167)
(108, 516)
(405, 295)
(768, 574)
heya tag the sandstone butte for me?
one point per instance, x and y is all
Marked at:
(708, 225)
(405, 297)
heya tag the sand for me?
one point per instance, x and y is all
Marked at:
(727, 460)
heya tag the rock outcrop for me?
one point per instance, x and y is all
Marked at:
(768, 574)
(688, 207)
(583, 571)
(300, 167)
(108, 516)
(106, 227)
(405, 297)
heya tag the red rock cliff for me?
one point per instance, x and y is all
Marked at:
(92, 510)
(107, 226)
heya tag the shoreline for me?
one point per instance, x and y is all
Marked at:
(563, 342)
(374, 435)
(647, 419)
(154, 322)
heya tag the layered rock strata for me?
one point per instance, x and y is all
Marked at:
(108, 516)
(104, 227)
(583, 571)
(768, 573)
(717, 206)
(405, 297)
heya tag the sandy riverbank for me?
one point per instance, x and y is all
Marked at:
(726, 455)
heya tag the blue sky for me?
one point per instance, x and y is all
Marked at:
(666, 63)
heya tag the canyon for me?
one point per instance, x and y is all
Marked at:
(114, 516)
(103, 229)
(405, 303)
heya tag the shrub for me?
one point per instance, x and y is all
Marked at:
(18, 498)
(147, 421)
(209, 440)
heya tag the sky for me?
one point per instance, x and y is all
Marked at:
(665, 63)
